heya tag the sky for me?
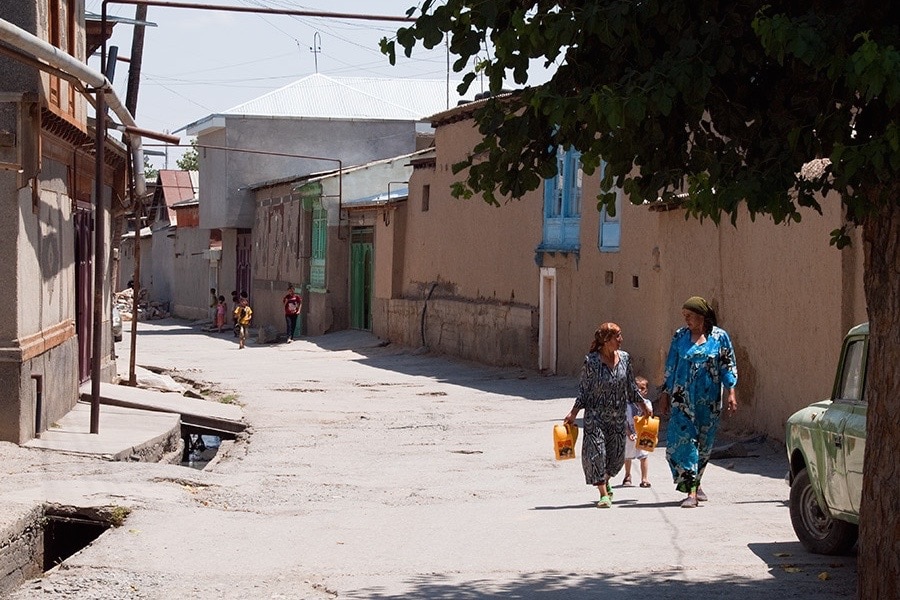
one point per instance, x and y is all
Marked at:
(197, 63)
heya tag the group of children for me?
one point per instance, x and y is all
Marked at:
(241, 315)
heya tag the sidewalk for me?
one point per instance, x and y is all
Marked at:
(135, 423)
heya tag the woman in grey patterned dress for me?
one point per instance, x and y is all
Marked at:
(607, 383)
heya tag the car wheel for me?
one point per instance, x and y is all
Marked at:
(816, 530)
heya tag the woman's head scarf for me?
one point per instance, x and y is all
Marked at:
(699, 305)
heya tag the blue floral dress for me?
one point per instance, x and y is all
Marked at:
(694, 378)
(603, 394)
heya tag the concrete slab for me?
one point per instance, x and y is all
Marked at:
(135, 397)
(122, 433)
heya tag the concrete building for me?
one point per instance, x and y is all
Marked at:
(317, 232)
(316, 124)
(528, 282)
(47, 183)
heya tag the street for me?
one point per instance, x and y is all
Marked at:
(373, 471)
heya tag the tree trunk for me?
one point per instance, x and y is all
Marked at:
(879, 531)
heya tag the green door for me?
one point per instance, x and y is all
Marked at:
(361, 266)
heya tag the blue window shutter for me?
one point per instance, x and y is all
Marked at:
(562, 204)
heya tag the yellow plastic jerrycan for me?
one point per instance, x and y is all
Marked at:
(647, 429)
(564, 438)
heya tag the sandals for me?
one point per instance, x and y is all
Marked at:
(645, 484)
(605, 502)
(689, 502)
(627, 481)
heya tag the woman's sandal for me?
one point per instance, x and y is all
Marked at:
(689, 502)
(627, 481)
(605, 502)
(645, 484)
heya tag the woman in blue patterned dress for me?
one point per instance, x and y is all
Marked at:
(700, 363)
(607, 383)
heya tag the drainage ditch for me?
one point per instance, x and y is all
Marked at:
(49, 536)
(199, 449)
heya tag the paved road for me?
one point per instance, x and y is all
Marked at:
(375, 472)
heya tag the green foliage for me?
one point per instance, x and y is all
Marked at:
(718, 103)
(150, 173)
(189, 160)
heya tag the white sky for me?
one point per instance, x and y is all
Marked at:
(197, 63)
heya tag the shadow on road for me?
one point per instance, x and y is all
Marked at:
(792, 578)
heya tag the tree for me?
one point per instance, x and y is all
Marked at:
(721, 104)
(150, 172)
(188, 160)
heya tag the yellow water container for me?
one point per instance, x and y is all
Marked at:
(564, 438)
(647, 429)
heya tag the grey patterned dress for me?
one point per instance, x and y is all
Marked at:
(603, 394)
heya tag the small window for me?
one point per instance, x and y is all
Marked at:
(426, 197)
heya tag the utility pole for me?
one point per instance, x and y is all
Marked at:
(134, 81)
(316, 48)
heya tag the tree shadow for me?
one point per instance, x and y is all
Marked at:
(795, 579)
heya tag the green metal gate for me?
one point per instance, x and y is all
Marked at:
(361, 267)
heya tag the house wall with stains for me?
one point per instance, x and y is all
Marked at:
(469, 280)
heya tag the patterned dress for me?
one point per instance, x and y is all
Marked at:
(603, 394)
(695, 375)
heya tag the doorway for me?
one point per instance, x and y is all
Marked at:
(361, 268)
(547, 322)
(243, 274)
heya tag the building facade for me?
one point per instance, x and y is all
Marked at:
(527, 283)
(47, 194)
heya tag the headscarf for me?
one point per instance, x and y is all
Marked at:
(698, 305)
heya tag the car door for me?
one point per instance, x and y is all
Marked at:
(853, 436)
(843, 438)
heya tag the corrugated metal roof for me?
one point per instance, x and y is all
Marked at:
(176, 186)
(322, 97)
(377, 199)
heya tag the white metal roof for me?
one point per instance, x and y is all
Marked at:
(319, 96)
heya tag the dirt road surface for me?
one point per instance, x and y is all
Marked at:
(373, 471)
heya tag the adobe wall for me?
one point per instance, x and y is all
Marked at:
(782, 292)
(496, 334)
(127, 260)
(191, 272)
(472, 264)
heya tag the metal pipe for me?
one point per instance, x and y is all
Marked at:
(135, 285)
(263, 10)
(99, 234)
(38, 402)
(57, 59)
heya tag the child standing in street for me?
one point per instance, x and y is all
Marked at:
(292, 305)
(631, 451)
(213, 304)
(242, 315)
(220, 314)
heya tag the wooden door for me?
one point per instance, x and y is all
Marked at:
(361, 268)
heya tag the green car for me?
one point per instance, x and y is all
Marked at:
(826, 442)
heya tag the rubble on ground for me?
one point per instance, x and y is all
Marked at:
(147, 309)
